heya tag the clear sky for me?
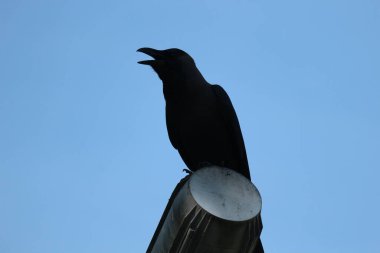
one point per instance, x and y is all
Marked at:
(85, 161)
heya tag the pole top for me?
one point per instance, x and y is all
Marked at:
(225, 193)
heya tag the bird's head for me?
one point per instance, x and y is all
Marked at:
(172, 65)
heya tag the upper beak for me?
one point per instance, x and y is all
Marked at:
(154, 53)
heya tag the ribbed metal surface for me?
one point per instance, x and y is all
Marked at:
(214, 210)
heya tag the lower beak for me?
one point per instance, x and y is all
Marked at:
(154, 53)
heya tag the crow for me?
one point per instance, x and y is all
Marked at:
(201, 121)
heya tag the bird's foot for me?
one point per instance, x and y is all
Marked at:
(187, 171)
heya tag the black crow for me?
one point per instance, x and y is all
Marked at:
(201, 121)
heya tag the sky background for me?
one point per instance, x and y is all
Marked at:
(85, 161)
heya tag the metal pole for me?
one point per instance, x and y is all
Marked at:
(213, 210)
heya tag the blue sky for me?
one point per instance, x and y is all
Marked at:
(85, 161)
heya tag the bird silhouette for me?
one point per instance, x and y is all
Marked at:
(201, 121)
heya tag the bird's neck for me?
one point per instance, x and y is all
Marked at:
(187, 88)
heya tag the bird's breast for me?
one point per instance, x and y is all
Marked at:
(197, 123)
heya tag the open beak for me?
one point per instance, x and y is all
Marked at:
(154, 53)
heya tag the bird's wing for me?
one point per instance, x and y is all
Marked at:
(228, 113)
(171, 125)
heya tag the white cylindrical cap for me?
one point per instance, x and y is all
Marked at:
(225, 193)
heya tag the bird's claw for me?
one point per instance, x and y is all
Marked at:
(187, 171)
